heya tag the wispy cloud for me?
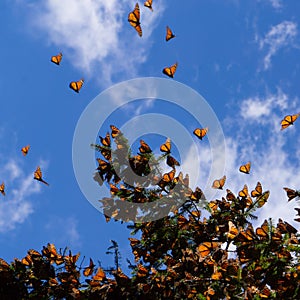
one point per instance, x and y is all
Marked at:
(96, 35)
(257, 108)
(276, 3)
(71, 235)
(16, 206)
(280, 36)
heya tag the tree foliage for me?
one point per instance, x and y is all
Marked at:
(193, 252)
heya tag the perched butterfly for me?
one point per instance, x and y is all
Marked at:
(25, 150)
(206, 248)
(230, 195)
(285, 227)
(289, 120)
(245, 168)
(262, 199)
(166, 179)
(166, 147)
(232, 231)
(244, 192)
(114, 131)
(105, 141)
(219, 183)
(134, 19)
(2, 189)
(170, 71)
(172, 162)
(57, 58)
(200, 132)
(257, 191)
(291, 193)
(144, 148)
(76, 85)
(148, 4)
(263, 231)
(169, 34)
(38, 175)
(89, 270)
(197, 195)
(100, 275)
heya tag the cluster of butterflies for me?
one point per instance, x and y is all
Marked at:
(37, 173)
(134, 21)
(74, 85)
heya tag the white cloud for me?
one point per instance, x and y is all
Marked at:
(276, 3)
(280, 36)
(95, 34)
(16, 207)
(258, 108)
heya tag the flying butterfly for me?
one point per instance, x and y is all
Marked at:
(219, 183)
(38, 175)
(57, 58)
(169, 34)
(166, 147)
(257, 191)
(25, 150)
(245, 168)
(2, 189)
(291, 193)
(170, 71)
(148, 4)
(200, 132)
(134, 19)
(289, 120)
(76, 85)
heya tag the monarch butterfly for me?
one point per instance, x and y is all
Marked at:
(170, 71)
(246, 235)
(200, 132)
(262, 199)
(230, 195)
(197, 195)
(100, 275)
(76, 85)
(148, 4)
(38, 175)
(263, 231)
(206, 248)
(166, 179)
(285, 227)
(134, 19)
(105, 141)
(244, 192)
(257, 191)
(57, 58)
(166, 147)
(291, 193)
(25, 150)
(169, 34)
(4, 266)
(144, 148)
(89, 270)
(245, 168)
(114, 131)
(219, 183)
(232, 231)
(142, 271)
(172, 162)
(289, 120)
(2, 189)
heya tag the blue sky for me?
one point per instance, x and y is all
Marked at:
(241, 56)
